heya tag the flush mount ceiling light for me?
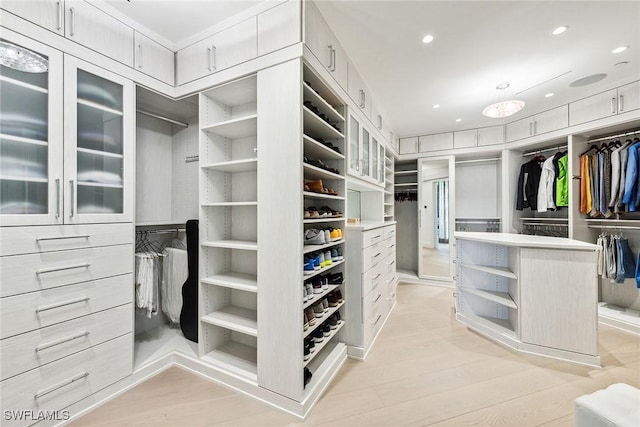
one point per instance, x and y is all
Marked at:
(549, 95)
(427, 39)
(21, 59)
(503, 107)
(458, 120)
(436, 106)
(560, 30)
(620, 49)
(621, 64)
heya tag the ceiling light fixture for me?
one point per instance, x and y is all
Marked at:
(560, 30)
(458, 120)
(549, 95)
(620, 49)
(621, 64)
(503, 107)
(427, 39)
(436, 106)
(21, 59)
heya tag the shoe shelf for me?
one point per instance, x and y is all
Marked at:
(323, 220)
(244, 165)
(323, 270)
(315, 126)
(236, 358)
(233, 280)
(235, 128)
(314, 172)
(232, 244)
(318, 297)
(312, 248)
(229, 204)
(496, 296)
(317, 150)
(498, 271)
(318, 101)
(234, 318)
(320, 320)
(312, 195)
(325, 341)
(323, 364)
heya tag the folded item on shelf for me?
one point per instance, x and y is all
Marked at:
(100, 177)
(22, 208)
(15, 166)
(91, 92)
(92, 138)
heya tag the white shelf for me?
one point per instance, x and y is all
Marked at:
(244, 165)
(388, 215)
(325, 341)
(313, 248)
(241, 281)
(409, 172)
(23, 84)
(312, 195)
(237, 358)
(232, 244)
(406, 184)
(331, 356)
(618, 317)
(235, 128)
(23, 140)
(323, 270)
(320, 320)
(498, 271)
(229, 204)
(319, 127)
(97, 106)
(546, 219)
(317, 297)
(314, 172)
(388, 204)
(313, 148)
(502, 326)
(234, 318)
(98, 184)
(22, 178)
(500, 297)
(318, 85)
(178, 224)
(100, 153)
(323, 220)
(388, 193)
(320, 103)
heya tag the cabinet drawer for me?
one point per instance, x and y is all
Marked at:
(27, 351)
(59, 384)
(27, 273)
(373, 303)
(372, 255)
(372, 278)
(372, 326)
(27, 312)
(48, 238)
(370, 237)
(389, 232)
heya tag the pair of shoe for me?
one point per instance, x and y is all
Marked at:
(317, 112)
(309, 316)
(314, 236)
(328, 145)
(307, 376)
(318, 260)
(320, 308)
(336, 278)
(320, 164)
(324, 330)
(317, 187)
(324, 212)
(335, 298)
(309, 347)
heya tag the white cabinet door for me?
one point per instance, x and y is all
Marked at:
(629, 97)
(195, 61)
(154, 59)
(381, 159)
(98, 144)
(315, 36)
(339, 63)
(31, 140)
(46, 13)
(519, 129)
(358, 91)
(354, 145)
(439, 141)
(91, 27)
(551, 120)
(408, 145)
(465, 138)
(376, 115)
(279, 27)
(595, 107)
(491, 136)
(235, 45)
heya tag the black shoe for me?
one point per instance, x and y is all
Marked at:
(336, 279)
(326, 329)
(307, 351)
(307, 376)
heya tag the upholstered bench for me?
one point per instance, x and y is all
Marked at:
(616, 405)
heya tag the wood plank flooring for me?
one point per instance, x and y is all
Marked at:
(425, 369)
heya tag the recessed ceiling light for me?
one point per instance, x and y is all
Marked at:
(458, 120)
(559, 30)
(620, 49)
(427, 39)
(621, 64)
(435, 106)
(588, 80)
(549, 95)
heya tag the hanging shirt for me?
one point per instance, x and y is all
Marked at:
(562, 182)
(595, 185)
(624, 153)
(528, 183)
(630, 185)
(605, 183)
(600, 254)
(615, 177)
(545, 187)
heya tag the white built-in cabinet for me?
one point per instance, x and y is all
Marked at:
(437, 142)
(493, 135)
(154, 59)
(615, 101)
(49, 14)
(365, 151)
(224, 49)
(547, 121)
(279, 27)
(359, 92)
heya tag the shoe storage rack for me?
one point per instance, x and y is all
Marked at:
(389, 214)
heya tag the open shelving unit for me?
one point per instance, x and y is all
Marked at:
(389, 202)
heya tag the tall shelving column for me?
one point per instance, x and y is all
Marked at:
(389, 186)
(228, 227)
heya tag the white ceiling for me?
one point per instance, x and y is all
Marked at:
(477, 45)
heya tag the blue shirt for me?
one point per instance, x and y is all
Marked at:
(631, 178)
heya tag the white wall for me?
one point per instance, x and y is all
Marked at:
(478, 190)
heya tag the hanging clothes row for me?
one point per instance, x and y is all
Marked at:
(609, 179)
(543, 183)
(406, 196)
(616, 260)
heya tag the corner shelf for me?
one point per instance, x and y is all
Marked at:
(500, 297)
(244, 165)
(235, 128)
(240, 281)
(236, 358)
(498, 271)
(237, 319)
(232, 244)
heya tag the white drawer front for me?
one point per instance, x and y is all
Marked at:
(27, 240)
(27, 351)
(59, 384)
(372, 278)
(372, 255)
(372, 326)
(373, 304)
(27, 273)
(27, 312)
(390, 232)
(370, 237)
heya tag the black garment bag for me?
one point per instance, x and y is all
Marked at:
(189, 312)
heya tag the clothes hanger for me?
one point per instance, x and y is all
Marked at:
(591, 148)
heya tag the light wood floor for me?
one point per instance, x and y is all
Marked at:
(425, 369)
(436, 260)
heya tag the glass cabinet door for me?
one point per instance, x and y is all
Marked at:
(366, 163)
(354, 145)
(381, 160)
(99, 150)
(374, 159)
(30, 132)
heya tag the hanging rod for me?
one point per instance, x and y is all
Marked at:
(460, 162)
(163, 231)
(558, 148)
(191, 159)
(620, 135)
(546, 224)
(616, 227)
(166, 119)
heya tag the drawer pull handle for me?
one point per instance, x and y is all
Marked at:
(391, 263)
(61, 384)
(377, 276)
(377, 319)
(71, 236)
(377, 298)
(62, 341)
(377, 255)
(66, 267)
(377, 237)
(391, 245)
(62, 304)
